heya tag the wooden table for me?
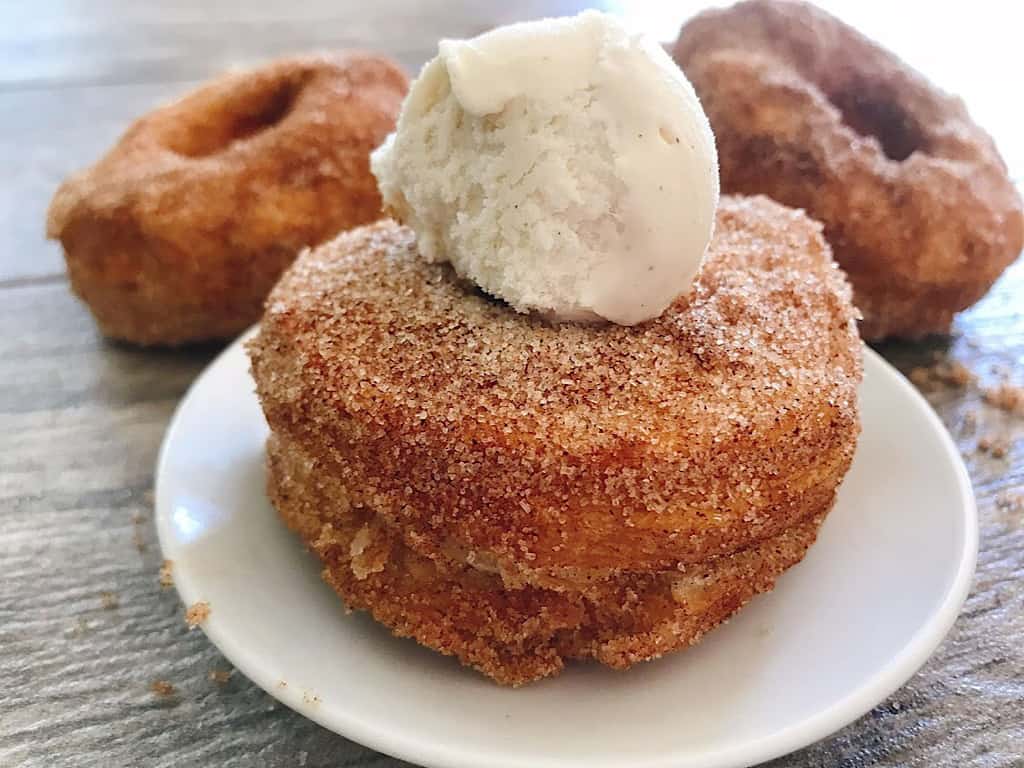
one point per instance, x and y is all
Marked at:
(85, 628)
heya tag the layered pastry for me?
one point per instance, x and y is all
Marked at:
(552, 416)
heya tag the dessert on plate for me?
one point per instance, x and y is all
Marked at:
(573, 406)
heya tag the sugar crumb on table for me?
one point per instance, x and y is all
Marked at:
(995, 446)
(920, 376)
(197, 613)
(943, 372)
(220, 676)
(166, 573)
(162, 688)
(1006, 397)
(137, 538)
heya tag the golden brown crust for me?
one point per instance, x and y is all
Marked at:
(179, 232)
(559, 454)
(512, 635)
(915, 199)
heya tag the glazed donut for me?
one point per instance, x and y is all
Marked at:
(561, 455)
(915, 199)
(179, 232)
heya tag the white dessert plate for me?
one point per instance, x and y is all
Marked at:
(841, 631)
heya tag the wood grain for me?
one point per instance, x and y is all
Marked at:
(86, 629)
(63, 44)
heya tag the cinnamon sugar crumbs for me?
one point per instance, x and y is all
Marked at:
(1006, 397)
(220, 676)
(166, 575)
(197, 613)
(921, 376)
(162, 688)
(951, 373)
(137, 538)
(957, 374)
(995, 446)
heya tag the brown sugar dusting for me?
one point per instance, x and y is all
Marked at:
(162, 688)
(197, 613)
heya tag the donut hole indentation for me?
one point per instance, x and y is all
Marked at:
(260, 114)
(883, 119)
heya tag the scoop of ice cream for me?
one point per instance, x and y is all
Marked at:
(563, 165)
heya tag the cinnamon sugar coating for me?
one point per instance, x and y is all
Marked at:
(562, 454)
(513, 636)
(916, 201)
(516, 493)
(179, 232)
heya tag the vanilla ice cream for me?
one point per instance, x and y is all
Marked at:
(563, 165)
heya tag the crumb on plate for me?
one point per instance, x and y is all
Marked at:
(197, 613)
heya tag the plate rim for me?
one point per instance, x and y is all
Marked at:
(810, 730)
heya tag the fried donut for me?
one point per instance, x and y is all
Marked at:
(179, 232)
(512, 635)
(559, 455)
(915, 199)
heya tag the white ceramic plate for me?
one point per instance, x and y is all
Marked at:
(841, 631)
